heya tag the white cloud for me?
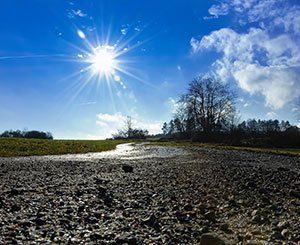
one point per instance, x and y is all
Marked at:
(290, 21)
(110, 118)
(271, 115)
(76, 13)
(109, 123)
(124, 31)
(259, 60)
(276, 12)
(220, 9)
(88, 103)
(278, 85)
(249, 10)
(172, 104)
(152, 127)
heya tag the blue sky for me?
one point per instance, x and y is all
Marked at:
(48, 79)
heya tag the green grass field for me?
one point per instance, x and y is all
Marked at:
(28, 147)
(278, 151)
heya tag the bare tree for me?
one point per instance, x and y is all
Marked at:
(129, 132)
(128, 127)
(209, 103)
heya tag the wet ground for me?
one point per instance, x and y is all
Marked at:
(141, 194)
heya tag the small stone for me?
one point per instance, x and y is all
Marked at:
(277, 235)
(40, 222)
(232, 203)
(100, 181)
(26, 223)
(108, 201)
(95, 236)
(78, 193)
(254, 212)
(125, 239)
(152, 221)
(15, 192)
(282, 169)
(92, 220)
(69, 210)
(210, 216)
(102, 191)
(263, 190)
(212, 239)
(80, 209)
(1, 203)
(15, 208)
(127, 168)
(282, 224)
(204, 229)
(284, 232)
(257, 219)
(295, 193)
(188, 207)
(182, 216)
(225, 227)
(251, 184)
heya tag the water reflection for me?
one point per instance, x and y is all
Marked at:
(128, 151)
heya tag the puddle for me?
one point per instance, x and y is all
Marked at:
(120, 152)
(128, 151)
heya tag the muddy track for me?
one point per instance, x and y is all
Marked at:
(142, 194)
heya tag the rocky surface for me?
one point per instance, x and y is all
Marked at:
(151, 194)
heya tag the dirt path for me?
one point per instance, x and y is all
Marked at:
(140, 194)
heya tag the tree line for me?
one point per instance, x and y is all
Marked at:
(33, 134)
(207, 113)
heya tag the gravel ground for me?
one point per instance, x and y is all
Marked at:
(141, 194)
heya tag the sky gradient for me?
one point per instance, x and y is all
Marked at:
(161, 45)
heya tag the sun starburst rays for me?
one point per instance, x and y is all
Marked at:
(105, 67)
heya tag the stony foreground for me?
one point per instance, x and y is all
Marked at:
(151, 194)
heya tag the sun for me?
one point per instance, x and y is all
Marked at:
(103, 60)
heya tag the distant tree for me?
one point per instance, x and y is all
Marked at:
(12, 134)
(165, 128)
(253, 126)
(129, 132)
(284, 125)
(38, 135)
(209, 103)
(26, 134)
(128, 128)
(179, 125)
(171, 127)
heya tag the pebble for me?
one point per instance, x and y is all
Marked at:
(127, 168)
(211, 239)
